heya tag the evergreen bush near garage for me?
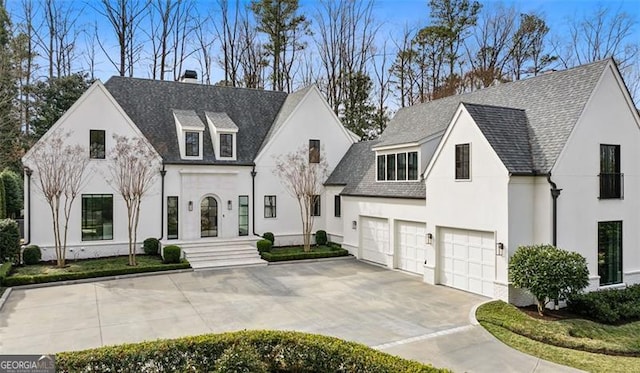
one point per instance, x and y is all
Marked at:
(5, 268)
(321, 237)
(3, 201)
(611, 306)
(31, 255)
(151, 246)
(548, 273)
(269, 236)
(14, 194)
(264, 245)
(9, 240)
(281, 351)
(172, 254)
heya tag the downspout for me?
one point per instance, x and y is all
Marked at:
(28, 172)
(253, 200)
(555, 193)
(163, 172)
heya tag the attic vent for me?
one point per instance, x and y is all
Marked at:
(189, 76)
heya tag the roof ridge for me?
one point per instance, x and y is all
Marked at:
(491, 106)
(212, 86)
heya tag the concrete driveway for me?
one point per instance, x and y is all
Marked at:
(389, 310)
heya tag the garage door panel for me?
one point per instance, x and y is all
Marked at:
(375, 239)
(410, 246)
(466, 260)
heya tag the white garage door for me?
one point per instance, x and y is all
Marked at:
(374, 239)
(467, 260)
(410, 246)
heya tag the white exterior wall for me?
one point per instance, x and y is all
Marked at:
(312, 119)
(390, 209)
(78, 120)
(481, 203)
(333, 224)
(607, 119)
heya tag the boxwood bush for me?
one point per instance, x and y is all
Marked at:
(9, 240)
(5, 268)
(31, 255)
(277, 257)
(264, 246)
(321, 237)
(280, 351)
(151, 246)
(269, 236)
(612, 306)
(172, 254)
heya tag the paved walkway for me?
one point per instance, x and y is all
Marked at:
(392, 311)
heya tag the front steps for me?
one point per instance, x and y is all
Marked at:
(221, 253)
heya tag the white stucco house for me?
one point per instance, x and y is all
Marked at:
(454, 186)
(448, 192)
(216, 187)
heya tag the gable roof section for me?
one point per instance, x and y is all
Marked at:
(150, 105)
(553, 103)
(507, 131)
(353, 165)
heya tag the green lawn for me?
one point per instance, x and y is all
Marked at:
(579, 343)
(87, 265)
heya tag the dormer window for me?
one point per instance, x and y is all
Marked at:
(223, 135)
(401, 166)
(192, 144)
(226, 145)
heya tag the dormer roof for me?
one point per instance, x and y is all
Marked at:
(221, 121)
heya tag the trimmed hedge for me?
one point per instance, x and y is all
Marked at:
(5, 268)
(321, 237)
(269, 236)
(281, 351)
(9, 240)
(39, 279)
(172, 254)
(31, 255)
(612, 306)
(151, 246)
(264, 246)
(275, 257)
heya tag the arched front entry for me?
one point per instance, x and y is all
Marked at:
(209, 217)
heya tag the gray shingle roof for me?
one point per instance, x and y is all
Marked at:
(149, 103)
(221, 121)
(188, 118)
(507, 131)
(553, 103)
(353, 165)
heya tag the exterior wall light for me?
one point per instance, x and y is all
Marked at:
(229, 205)
(500, 249)
(429, 238)
(190, 204)
(354, 225)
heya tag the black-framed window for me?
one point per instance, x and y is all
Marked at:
(337, 206)
(96, 144)
(382, 168)
(316, 204)
(391, 166)
(97, 217)
(610, 252)
(412, 166)
(243, 215)
(269, 206)
(401, 161)
(226, 145)
(462, 162)
(611, 180)
(172, 217)
(192, 144)
(314, 151)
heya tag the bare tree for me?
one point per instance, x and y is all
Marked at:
(134, 166)
(401, 68)
(303, 180)
(252, 55)
(382, 89)
(205, 42)
(59, 42)
(184, 27)
(229, 33)
(59, 171)
(161, 23)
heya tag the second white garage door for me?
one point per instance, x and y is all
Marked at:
(374, 241)
(410, 246)
(467, 260)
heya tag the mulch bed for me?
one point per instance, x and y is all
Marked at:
(549, 314)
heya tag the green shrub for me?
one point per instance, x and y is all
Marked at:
(31, 255)
(172, 254)
(241, 357)
(334, 245)
(3, 201)
(14, 195)
(5, 268)
(264, 245)
(9, 240)
(275, 257)
(151, 246)
(548, 273)
(16, 280)
(611, 306)
(269, 236)
(282, 352)
(321, 237)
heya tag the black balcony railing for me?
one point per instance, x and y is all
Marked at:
(611, 185)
